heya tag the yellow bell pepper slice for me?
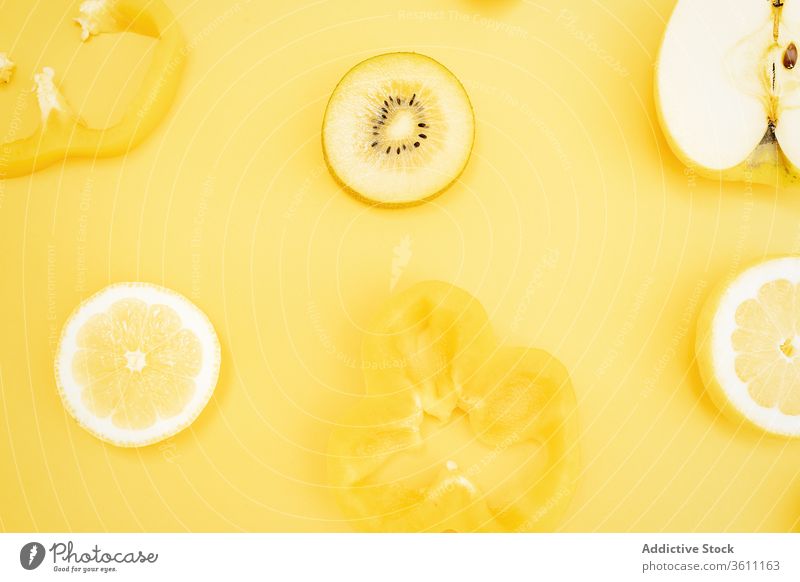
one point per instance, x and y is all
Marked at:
(431, 359)
(62, 134)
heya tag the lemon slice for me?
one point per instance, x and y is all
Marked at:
(748, 346)
(136, 363)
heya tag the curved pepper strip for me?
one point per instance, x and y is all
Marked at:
(63, 135)
(431, 351)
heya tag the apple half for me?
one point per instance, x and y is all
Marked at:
(728, 88)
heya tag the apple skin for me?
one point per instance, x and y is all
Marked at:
(766, 165)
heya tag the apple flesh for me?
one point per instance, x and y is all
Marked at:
(728, 88)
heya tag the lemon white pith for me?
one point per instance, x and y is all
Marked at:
(136, 363)
(748, 346)
(398, 129)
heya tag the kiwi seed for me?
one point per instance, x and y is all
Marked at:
(790, 56)
(384, 113)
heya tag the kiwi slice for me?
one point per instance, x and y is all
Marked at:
(398, 129)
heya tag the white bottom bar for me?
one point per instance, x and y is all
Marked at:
(397, 557)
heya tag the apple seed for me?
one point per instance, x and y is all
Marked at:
(790, 56)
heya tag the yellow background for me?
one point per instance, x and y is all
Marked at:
(574, 224)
